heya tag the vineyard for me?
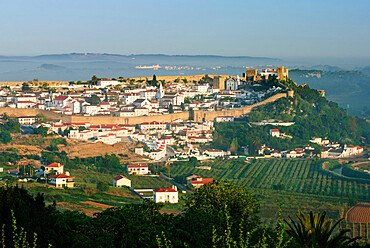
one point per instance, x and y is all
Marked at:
(300, 176)
(298, 184)
(358, 219)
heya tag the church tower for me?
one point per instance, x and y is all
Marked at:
(160, 93)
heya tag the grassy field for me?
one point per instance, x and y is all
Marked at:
(87, 198)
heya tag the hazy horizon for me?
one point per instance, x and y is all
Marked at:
(260, 29)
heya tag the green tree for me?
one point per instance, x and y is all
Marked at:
(102, 186)
(234, 146)
(170, 109)
(95, 100)
(314, 230)
(26, 87)
(11, 126)
(182, 106)
(5, 137)
(208, 207)
(43, 131)
(94, 79)
(40, 118)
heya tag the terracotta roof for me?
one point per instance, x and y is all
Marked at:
(120, 177)
(53, 165)
(26, 102)
(137, 166)
(275, 130)
(165, 190)
(61, 176)
(203, 181)
(60, 98)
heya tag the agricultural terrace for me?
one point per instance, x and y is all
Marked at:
(300, 176)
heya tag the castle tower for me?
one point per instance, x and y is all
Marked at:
(282, 73)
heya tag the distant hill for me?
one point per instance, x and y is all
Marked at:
(52, 67)
(350, 89)
(86, 56)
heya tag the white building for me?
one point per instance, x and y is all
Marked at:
(106, 82)
(57, 167)
(27, 120)
(152, 125)
(148, 94)
(62, 181)
(201, 88)
(231, 84)
(275, 133)
(170, 195)
(120, 181)
(138, 169)
(224, 118)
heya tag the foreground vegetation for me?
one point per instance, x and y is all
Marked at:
(220, 214)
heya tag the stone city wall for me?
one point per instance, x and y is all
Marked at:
(196, 115)
(201, 115)
(16, 112)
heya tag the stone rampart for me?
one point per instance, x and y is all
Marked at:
(16, 112)
(130, 120)
(196, 115)
(201, 115)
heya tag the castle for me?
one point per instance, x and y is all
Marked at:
(252, 75)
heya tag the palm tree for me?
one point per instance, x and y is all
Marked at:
(314, 231)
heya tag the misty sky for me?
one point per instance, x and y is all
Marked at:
(280, 28)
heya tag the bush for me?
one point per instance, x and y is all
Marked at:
(102, 186)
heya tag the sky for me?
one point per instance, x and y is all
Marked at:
(276, 28)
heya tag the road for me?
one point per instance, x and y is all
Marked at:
(169, 153)
(173, 182)
(26, 129)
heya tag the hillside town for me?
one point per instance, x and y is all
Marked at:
(156, 141)
(173, 140)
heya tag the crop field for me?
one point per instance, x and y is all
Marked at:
(300, 176)
(297, 184)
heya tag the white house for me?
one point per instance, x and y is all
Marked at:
(201, 88)
(316, 140)
(213, 153)
(26, 104)
(148, 94)
(62, 181)
(120, 181)
(129, 98)
(106, 82)
(28, 120)
(54, 167)
(274, 132)
(170, 195)
(152, 125)
(138, 169)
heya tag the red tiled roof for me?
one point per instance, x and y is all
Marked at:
(61, 176)
(53, 165)
(275, 130)
(60, 98)
(119, 177)
(137, 166)
(204, 181)
(165, 190)
(26, 102)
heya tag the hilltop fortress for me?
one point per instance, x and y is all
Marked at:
(253, 76)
